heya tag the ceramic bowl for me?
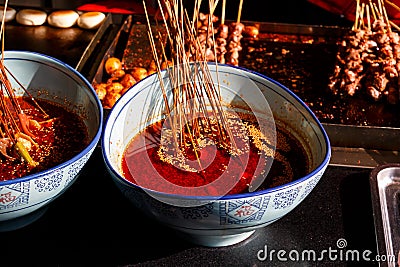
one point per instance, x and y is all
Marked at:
(21, 197)
(228, 219)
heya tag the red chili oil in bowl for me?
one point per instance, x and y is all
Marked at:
(141, 160)
(61, 136)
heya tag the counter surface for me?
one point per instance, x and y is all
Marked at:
(92, 223)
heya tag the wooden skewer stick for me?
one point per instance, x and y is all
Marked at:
(223, 12)
(377, 11)
(213, 6)
(393, 5)
(240, 11)
(355, 25)
(394, 25)
(372, 10)
(385, 16)
(380, 7)
(362, 15)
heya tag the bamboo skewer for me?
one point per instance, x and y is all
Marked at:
(239, 11)
(14, 122)
(377, 11)
(394, 25)
(223, 12)
(371, 5)
(355, 25)
(196, 99)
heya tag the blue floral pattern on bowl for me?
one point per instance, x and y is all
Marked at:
(49, 78)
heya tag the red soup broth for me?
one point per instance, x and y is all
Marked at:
(62, 135)
(141, 161)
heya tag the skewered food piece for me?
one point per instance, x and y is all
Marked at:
(220, 42)
(120, 80)
(234, 46)
(112, 64)
(369, 58)
(139, 73)
(205, 39)
(251, 31)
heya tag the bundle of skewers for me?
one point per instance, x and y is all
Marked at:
(220, 42)
(196, 118)
(190, 122)
(368, 59)
(16, 139)
(16, 127)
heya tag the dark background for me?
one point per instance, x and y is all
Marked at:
(284, 11)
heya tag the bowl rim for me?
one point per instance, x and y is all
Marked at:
(95, 138)
(324, 163)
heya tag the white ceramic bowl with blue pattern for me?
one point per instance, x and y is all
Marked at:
(57, 82)
(232, 218)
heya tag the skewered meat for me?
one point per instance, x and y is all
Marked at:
(234, 46)
(368, 58)
(5, 145)
(221, 41)
(205, 36)
(100, 90)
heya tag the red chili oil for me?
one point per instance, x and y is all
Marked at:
(62, 136)
(140, 161)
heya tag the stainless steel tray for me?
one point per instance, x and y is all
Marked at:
(302, 57)
(103, 44)
(385, 192)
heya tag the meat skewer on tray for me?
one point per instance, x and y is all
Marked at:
(221, 37)
(206, 35)
(369, 57)
(234, 38)
(227, 38)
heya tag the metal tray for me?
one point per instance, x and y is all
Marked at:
(77, 47)
(69, 45)
(385, 192)
(303, 56)
(103, 44)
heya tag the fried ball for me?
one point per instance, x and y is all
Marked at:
(251, 31)
(113, 64)
(101, 90)
(128, 81)
(118, 74)
(114, 88)
(150, 72)
(110, 100)
(152, 67)
(139, 73)
(165, 65)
